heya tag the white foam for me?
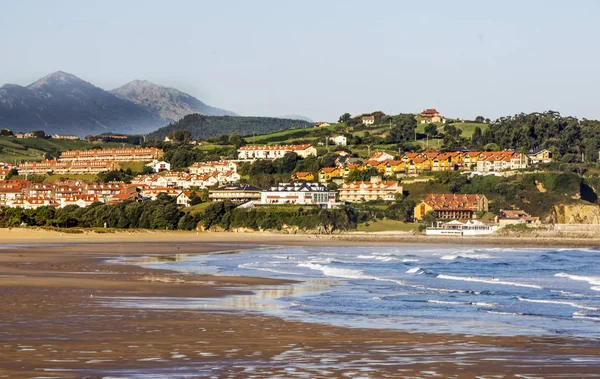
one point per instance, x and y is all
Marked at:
(413, 270)
(557, 302)
(346, 273)
(593, 280)
(406, 260)
(491, 281)
(451, 257)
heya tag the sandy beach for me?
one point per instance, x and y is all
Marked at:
(56, 323)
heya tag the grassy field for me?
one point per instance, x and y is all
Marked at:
(212, 147)
(387, 226)
(134, 166)
(469, 127)
(290, 134)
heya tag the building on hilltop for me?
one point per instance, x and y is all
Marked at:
(300, 194)
(375, 189)
(251, 152)
(368, 120)
(65, 136)
(431, 116)
(452, 206)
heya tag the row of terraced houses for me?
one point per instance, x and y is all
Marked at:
(416, 163)
(90, 161)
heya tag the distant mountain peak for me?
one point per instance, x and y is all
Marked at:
(63, 103)
(169, 103)
(58, 78)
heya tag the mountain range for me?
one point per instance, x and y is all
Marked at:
(63, 103)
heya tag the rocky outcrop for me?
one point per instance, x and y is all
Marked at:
(578, 213)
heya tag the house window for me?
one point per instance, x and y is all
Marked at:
(422, 210)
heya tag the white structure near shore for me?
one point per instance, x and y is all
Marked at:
(460, 228)
(299, 194)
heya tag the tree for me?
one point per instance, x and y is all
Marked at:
(431, 130)
(479, 119)
(6, 132)
(288, 162)
(477, 137)
(362, 175)
(236, 140)
(429, 218)
(345, 118)
(403, 129)
(181, 135)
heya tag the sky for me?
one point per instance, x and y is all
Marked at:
(320, 58)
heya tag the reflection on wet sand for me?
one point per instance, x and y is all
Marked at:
(263, 298)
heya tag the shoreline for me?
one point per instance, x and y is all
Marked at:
(40, 236)
(62, 289)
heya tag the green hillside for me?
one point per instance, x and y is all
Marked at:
(203, 127)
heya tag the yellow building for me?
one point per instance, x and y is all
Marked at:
(328, 173)
(452, 206)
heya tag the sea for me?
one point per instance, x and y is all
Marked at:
(414, 288)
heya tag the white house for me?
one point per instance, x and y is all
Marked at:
(276, 151)
(214, 166)
(185, 197)
(368, 120)
(299, 193)
(339, 140)
(159, 166)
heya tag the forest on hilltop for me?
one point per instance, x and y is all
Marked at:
(202, 127)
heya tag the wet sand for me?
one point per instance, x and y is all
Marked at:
(30, 235)
(55, 322)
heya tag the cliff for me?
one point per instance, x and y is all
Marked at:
(578, 213)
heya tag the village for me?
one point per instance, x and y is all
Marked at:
(383, 175)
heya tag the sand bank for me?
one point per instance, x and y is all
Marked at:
(40, 236)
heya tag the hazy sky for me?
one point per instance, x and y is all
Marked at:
(320, 58)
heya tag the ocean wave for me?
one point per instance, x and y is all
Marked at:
(585, 315)
(478, 304)
(336, 271)
(413, 270)
(346, 273)
(384, 258)
(408, 260)
(451, 257)
(253, 266)
(593, 280)
(449, 290)
(558, 302)
(491, 281)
